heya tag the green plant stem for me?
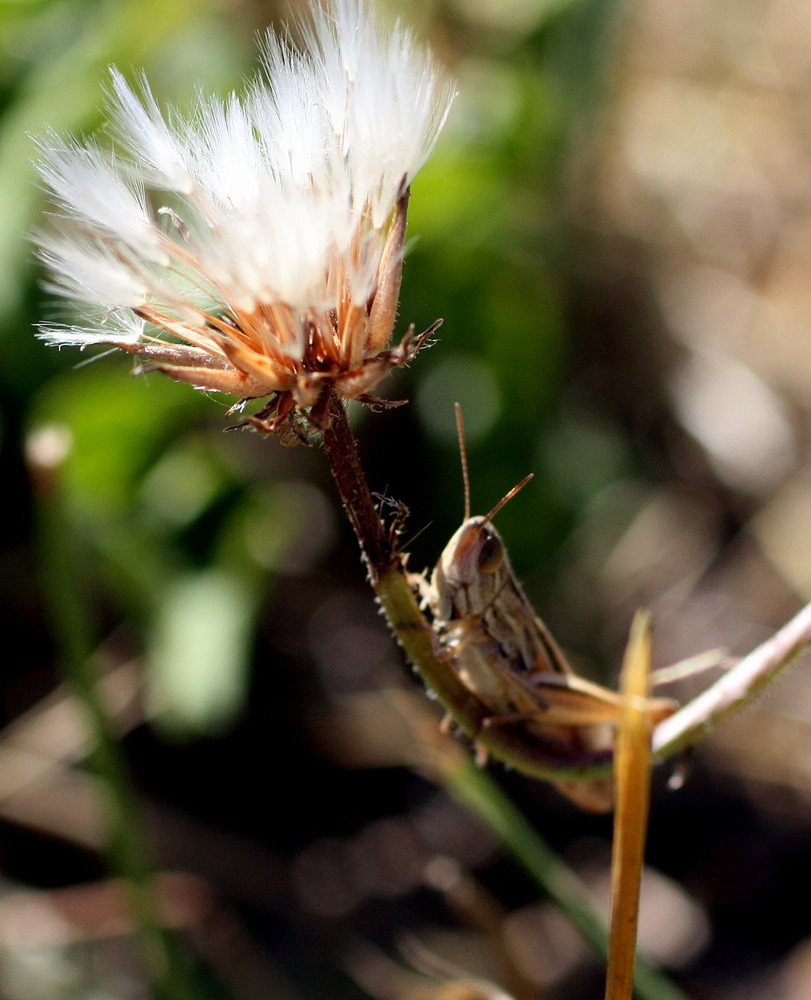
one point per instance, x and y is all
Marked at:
(692, 723)
(472, 786)
(395, 592)
(396, 595)
(126, 844)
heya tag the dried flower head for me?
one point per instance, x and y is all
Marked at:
(265, 233)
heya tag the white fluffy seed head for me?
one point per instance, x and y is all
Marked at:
(146, 136)
(275, 204)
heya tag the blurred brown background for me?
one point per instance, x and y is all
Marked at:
(616, 230)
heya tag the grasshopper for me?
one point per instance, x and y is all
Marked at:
(508, 658)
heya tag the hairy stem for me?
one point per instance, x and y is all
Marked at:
(387, 573)
(395, 592)
(468, 783)
(376, 545)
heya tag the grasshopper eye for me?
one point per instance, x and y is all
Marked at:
(491, 551)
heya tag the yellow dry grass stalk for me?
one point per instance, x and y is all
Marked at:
(632, 770)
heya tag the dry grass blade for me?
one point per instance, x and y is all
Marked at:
(632, 770)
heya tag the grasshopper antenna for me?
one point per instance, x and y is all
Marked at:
(460, 430)
(506, 499)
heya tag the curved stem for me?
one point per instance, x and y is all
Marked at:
(396, 594)
(466, 782)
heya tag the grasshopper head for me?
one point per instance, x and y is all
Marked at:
(477, 548)
(469, 573)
